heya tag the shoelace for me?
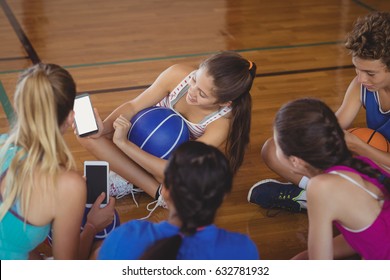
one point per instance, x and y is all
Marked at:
(132, 192)
(285, 202)
(158, 202)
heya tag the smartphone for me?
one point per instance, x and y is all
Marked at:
(84, 116)
(96, 174)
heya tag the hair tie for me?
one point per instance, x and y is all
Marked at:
(182, 235)
(250, 64)
(200, 228)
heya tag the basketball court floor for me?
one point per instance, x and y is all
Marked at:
(115, 49)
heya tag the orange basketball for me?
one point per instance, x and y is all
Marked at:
(371, 137)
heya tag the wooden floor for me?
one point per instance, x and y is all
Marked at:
(115, 49)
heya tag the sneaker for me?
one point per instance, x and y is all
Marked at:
(274, 194)
(119, 187)
(154, 204)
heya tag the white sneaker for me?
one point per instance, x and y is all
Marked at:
(119, 187)
(159, 202)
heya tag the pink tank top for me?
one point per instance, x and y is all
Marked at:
(373, 241)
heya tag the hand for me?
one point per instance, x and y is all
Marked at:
(99, 123)
(121, 126)
(353, 142)
(100, 218)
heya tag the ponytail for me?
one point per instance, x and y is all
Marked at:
(238, 137)
(43, 98)
(308, 129)
(163, 249)
(233, 77)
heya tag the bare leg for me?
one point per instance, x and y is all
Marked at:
(104, 149)
(268, 153)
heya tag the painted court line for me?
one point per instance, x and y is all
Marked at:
(20, 33)
(127, 61)
(6, 104)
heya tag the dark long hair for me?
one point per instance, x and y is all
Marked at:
(233, 78)
(198, 176)
(308, 129)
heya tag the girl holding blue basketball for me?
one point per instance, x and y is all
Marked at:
(214, 101)
(369, 44)
(39, 188)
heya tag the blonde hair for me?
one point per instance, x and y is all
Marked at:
(43, 98)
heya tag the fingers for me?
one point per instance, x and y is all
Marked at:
(122, 121)
(99, 200)
(111, 203)
(98, 119)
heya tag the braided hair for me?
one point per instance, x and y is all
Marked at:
(197, 176)
(308, 129)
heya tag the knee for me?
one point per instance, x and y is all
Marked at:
(268, 151)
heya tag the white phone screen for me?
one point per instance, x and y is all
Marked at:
(84, 116)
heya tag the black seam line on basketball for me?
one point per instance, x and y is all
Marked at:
(371, 136)
(20, 33)
(13, 58)
(258, 75)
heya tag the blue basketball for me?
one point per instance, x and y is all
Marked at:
(158, 131)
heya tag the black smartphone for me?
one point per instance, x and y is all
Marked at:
(84, 116)
(96, 174)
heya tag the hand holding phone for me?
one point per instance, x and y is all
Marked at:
(96, 174)
(85, 120)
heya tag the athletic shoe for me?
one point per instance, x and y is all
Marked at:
(154, 204)
(119, 187)
(274, 194)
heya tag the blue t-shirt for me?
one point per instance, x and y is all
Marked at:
(130, 240)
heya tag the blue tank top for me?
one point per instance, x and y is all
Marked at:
(375, 118)
(17, 237)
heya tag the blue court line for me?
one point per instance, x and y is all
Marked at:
(186, 56)
(7, 107)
